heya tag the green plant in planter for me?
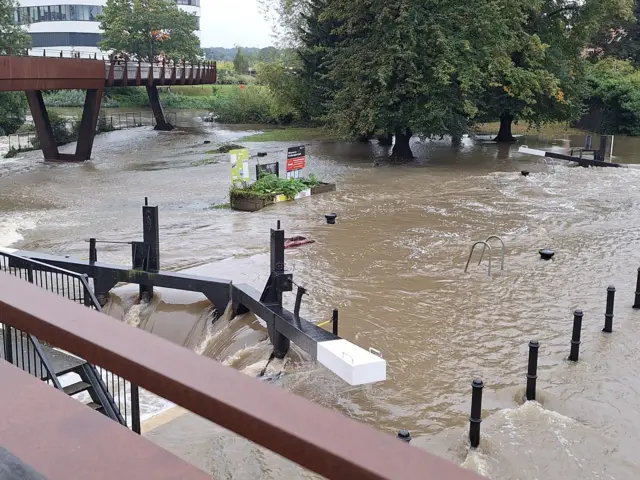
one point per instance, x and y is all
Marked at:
(268, 186)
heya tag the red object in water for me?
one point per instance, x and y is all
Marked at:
(297, 241)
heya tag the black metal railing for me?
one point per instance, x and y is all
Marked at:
(26, 352)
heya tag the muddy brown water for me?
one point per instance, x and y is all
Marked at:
(394, 266)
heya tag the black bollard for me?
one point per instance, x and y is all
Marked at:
(546, 254)
(331, 218)
(334, 321)
(93, 251)
(608, 316)
(532, 372)
(476, 412)
(404, 435)
(636, 303)
(278, 227)
(575, 338)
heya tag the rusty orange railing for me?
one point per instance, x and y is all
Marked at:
(316, 438)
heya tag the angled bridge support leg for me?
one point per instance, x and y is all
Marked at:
(86, 133)
(158, 110)
(43, 125)
(88, 124)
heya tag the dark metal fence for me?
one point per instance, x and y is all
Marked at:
(121, 121)
(26, 352)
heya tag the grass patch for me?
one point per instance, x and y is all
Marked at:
(191, 90)
(291, 135)
(220, 206)
(225, 148)
(524, 128)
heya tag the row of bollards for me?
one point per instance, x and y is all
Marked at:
(532, 368)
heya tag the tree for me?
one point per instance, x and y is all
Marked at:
(317, 36)
(13, 40)
(543, 79)
(620, 39)
(414, 67)
(240, 62)
(144, 29)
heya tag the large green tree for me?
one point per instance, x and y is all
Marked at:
(13, 40)
(415, 67)
(145, 29)
(542, 81)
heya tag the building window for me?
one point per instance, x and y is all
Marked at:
(57, 13)
(62, 39)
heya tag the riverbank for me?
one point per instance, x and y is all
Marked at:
(524, 128)
(292, 134)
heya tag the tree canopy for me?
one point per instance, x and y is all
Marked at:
(433, 68)
(13, 40)
(148, 29)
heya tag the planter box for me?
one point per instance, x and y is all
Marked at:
(284, 198)
(252, 204)
(249, 204)
(323, 188)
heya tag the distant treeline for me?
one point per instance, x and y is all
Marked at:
(267, 54)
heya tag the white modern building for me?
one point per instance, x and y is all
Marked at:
(70, 25)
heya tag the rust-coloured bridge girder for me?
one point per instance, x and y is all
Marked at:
(35, 74)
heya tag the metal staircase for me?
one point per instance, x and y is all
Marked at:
(94, 386)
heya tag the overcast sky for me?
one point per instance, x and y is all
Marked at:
(226, 23)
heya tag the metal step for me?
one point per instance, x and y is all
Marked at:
(76, 388)
(95, 406)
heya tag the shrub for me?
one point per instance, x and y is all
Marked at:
(251, 105)
(13, 109)
(614, 103)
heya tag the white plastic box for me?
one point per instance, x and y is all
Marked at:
(353, 364)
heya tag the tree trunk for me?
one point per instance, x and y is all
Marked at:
(365, 137)
(456, 140)
(401, 147)
(386, 140)
(505, 135)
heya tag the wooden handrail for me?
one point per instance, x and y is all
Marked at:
(312, 436)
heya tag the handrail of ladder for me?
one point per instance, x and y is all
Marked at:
(486, 245)
(546, 163)
(502, 250)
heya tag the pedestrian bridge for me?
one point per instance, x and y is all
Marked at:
(53, 73)
(32, 75)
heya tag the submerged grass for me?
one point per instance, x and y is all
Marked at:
(292, 135)
(224, 148)
(205, 161)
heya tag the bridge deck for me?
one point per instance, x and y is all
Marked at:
(52, 73)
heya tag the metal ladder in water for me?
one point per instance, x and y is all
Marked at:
(486, 245)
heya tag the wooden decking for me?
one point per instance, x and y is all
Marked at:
(63, 439)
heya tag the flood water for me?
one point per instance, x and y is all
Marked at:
(394, 266)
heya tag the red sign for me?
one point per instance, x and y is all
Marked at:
(295, 159)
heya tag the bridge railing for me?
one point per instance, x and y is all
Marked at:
(316, 438)
(119, 72)
(122, 72)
